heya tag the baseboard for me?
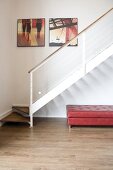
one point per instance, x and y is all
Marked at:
(44, 116)
(20, 105)
(3, 115)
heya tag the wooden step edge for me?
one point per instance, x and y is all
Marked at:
(15, 117)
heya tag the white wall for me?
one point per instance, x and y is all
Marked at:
(6, 57)
(19, 60)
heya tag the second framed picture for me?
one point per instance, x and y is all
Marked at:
(31, 32)
(61, 30)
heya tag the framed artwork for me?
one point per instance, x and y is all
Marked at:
(31, 32)
(61, 30)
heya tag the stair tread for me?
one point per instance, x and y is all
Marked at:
(15, 117)
(22, 109)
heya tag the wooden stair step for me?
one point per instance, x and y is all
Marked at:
(15, 117)
(21, 109)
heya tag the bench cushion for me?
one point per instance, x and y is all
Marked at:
(84, 111)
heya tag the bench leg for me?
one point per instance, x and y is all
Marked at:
(69, 128)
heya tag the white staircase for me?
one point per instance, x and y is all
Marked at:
(67, 65)
(66, 83)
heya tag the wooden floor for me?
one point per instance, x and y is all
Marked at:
(50, 146)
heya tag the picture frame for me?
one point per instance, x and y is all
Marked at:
(61, 30)
(31, 32)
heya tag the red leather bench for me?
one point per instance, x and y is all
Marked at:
(89, 115)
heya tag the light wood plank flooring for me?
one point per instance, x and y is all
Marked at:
(50, 146)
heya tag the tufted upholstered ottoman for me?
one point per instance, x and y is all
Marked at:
(89, 115)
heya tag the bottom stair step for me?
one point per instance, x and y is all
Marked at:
(15, 117)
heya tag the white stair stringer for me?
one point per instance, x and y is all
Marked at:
(72, 79)
(101, 57)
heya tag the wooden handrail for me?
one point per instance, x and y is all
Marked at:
(50, 56)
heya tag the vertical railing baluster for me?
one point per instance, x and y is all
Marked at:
(31, 99)
(84, 53)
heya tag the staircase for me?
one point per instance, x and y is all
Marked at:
(18, 114)
(95, 45)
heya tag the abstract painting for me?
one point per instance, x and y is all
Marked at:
(62, 30)
(31, 32)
